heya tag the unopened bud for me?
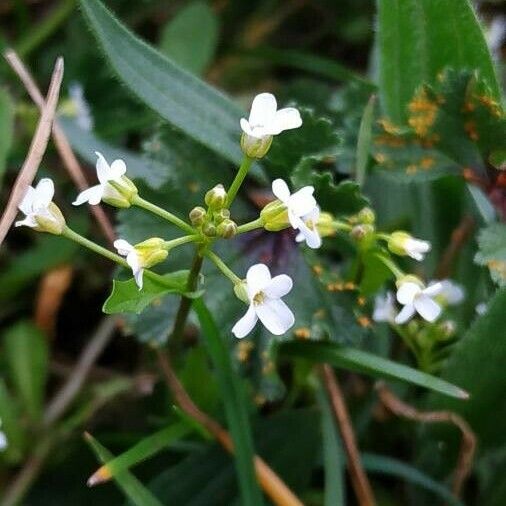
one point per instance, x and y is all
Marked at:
(197, 216)
(221, 215)
(216, 197)
(53, 222)
(255, 147)
(448, 329)
(120, 193)
(366, 216)
(209, 229)
(361, 232)
(241, 291)
(151, 252)
(227, 229)
(275, 216)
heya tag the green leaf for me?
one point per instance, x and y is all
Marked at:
(361, 361)
(126, 297)
(197, 109)
(143, 450)
(6, 128)
(191, 37)
(10, 426)
(417, 40)
(364, 140)
(477, 364)
(26, 355)
(235, 406)
(392, 467)
(126, 481)
(492, 251)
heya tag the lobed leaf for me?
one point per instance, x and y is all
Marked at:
(492, 251)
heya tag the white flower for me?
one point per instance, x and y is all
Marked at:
(264, 294)
(84, 119)
(417, 299)
(308, 230)
(481, 308)
(105, 173)
(303, 211)
(384, 308)
(133, 259)
(3, 439)
(402, 243)
(265, 120)
(39, 210)
(452, 293)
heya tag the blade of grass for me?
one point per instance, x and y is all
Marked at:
(367, 363)
(126, 481)
(143, 450)
(235, 406)
(364, 140)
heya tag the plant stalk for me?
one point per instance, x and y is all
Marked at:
(239, 178)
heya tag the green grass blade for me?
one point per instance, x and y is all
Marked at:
(191, 105)
(364, 140)
(6, 127)
(235, 406)
(367, 363)
(393, 467)
(143, 450)
(126, 481)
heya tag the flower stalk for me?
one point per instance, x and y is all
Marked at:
(238, 180)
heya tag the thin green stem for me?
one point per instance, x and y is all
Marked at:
(398, 273)
(181, 240)
(385, 237)
(251, 225)
(223, 268)
(74, 236)
(162, 213)
(340, 225)
(239, 178)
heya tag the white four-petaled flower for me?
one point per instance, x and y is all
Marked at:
(84, 119)
(39, 210)
(416, 248)
(133, 259)
(418, 299)
(451, 293)
(265, 304)
(105, 174)
(265, 120)
(384, 308)
(303, 211)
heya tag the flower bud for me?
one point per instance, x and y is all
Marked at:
(197, 216)
(366, 216)
(404, 244)
(410, 278)
(275, 216)
(151, 252)
(216, 197)
(448, 329)
(325, 225)
(209, 229)
(51, 221)
(227, 229)
(241, 291)
(361, 232)
(221, 215)
(255, 147)
(120, 193)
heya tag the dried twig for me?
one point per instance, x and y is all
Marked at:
(89, 355)
(270, 482)
(37, 149)
(359, 480)
(68, 157)
(467, 447)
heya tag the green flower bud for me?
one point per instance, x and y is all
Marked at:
(209, 229)
(221, 215)
(325, 225)
(241, 291)
(448, 329)
(366, 216)
(197, 216)
(227, 229)
(404, 244)
(151, 252)
(255, 147)
(216, 197)
(120, 193)
(275, 216)
(362, 232)
(53, 223)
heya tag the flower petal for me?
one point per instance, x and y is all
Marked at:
(405, 314)
(245, 126)
(311, 236)
(29, 221)
(407, 292)
(276, 316)
(26, 204)
(263, 110)
(257, 278)
(91, 195)
(245, 325)
(45, 191)
(302, 201)
(117, 169)
(279, 286)
(281, 190)
(285, 119)
(434, 289)
(138, 276)
(427, 308)
(103, 169)
(123, 247)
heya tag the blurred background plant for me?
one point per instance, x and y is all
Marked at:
(430, 159)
